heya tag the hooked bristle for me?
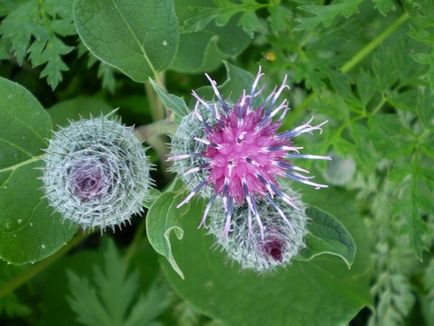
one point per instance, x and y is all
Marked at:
(96, 173)
(264, 247)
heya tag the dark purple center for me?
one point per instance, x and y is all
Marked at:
(87, 181)
(274, 248)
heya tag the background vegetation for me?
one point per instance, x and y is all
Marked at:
(365, 65)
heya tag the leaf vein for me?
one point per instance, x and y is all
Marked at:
(145, 55)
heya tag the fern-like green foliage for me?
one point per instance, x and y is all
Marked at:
(382, 110)
(367, 66)
(221, 11)
(429, 287)
(326, 15)
(34, 30)
(11, 305)
(393, 262)
(422, 28)
(384, 6)
(112, 297)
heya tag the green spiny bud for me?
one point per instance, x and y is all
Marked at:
(96, 173)
(261, 249)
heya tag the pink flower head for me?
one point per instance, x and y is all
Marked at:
(242, 153)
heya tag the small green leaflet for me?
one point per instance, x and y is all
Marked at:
(384, 6)
(77, 108)
(171, 102)
(328, 236)
(163, 219)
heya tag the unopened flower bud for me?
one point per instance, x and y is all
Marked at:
(96, 173)
(261, 249)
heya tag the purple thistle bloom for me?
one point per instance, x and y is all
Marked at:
(239, 155)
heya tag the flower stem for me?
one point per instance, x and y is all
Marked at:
(33, 271)
(157, 108)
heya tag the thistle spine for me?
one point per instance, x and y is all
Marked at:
(96, 173)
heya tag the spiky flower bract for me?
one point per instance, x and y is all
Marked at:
(236, 153)
(96, 173)
(281, 240)
(191, 169)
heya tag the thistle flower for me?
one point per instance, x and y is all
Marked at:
(235, 153)
(96, 173)
(280, 243)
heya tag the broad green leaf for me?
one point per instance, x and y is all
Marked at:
(29, 230)
(137, 37)
(163, 219)
(171, 102)
(207, 46)
(319, 292)
(328, 236)
(237, 80)
(206, 55)
(77, 108)
(153, 195)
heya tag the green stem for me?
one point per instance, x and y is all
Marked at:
(350, 64)
(380, 105)
(157, 108)
(31, 272)
(371, 46)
